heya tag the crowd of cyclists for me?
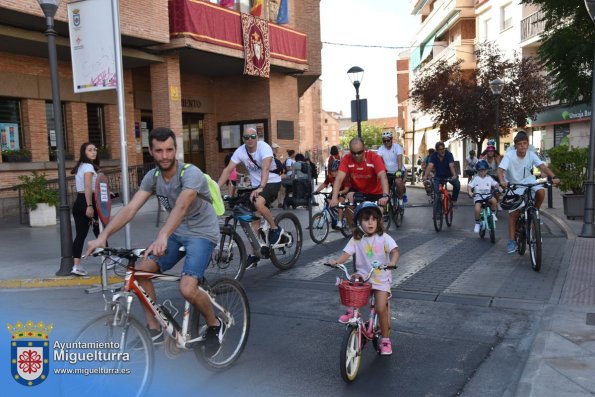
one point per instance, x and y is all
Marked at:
(363, 177)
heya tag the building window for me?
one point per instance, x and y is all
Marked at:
(11, 137)
(96, 125)
(506, 17)
(230, 133)
(486, 29)
(51, 125)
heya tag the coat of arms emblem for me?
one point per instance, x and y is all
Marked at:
(29, 352)
(76, 17)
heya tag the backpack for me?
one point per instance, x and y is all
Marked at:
(280, 166)
(215, 200)
(305, 167)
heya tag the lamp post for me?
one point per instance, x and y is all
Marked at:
(413, 118)
(496, 86)
(588, 229)
(356, 75)
(49, 8)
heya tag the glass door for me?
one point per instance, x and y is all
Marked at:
(194, 143)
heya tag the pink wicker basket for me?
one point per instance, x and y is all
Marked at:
(354, 294)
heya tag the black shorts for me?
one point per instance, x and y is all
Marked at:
(270, 192)
(358, 197)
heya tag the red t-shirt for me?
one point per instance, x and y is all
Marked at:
(364, 175)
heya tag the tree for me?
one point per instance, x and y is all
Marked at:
(461, 101)
(371, 134)
(567, 48)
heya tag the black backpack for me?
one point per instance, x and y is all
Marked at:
(280, 167)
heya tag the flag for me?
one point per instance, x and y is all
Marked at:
(283, 16)
(256, 9)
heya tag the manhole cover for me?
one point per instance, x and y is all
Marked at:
(590, 318)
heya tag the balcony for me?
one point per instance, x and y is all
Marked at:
(532, 26)
(214, 29)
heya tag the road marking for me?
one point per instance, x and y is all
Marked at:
(421, 256)
(310, 271)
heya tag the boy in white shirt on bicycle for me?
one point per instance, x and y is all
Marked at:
(482, 183)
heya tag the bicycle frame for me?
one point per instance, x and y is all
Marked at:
(443, 195)
(486, 210)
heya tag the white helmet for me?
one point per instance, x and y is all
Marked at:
(387, 134)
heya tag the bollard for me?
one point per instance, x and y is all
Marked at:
(550, 197)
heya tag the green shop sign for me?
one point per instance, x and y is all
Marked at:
(562, 114)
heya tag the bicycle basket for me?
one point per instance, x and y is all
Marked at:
(354, 294)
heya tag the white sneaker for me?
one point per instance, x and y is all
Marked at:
(494, 217)
(79, 271)
(476, 229)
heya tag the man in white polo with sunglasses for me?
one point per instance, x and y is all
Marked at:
(257, 157)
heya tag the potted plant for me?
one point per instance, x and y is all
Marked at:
(39, 199)
(14, 156)
(103, 153)
(570, 165)
(54, 155)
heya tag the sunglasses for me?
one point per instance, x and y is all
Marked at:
(387, 140)
(357, 153)
(251, 136)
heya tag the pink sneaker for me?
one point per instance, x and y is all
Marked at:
(346, 317)
(386, 347)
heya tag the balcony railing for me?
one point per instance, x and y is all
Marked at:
(532, 26)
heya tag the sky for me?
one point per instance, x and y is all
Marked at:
(368, 22)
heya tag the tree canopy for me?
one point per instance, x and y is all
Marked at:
(461, 101)
(567, 48)
(371, 134)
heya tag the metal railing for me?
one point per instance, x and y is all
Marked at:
(114, 176)
(532, 26)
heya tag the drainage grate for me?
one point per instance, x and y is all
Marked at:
(590, 318)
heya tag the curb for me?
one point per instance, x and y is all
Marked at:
(560, 223)
(53, 282)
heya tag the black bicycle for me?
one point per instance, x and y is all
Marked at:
(528, 224)
(324, 220)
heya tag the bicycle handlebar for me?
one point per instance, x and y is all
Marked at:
(375, 265)
(539, 182)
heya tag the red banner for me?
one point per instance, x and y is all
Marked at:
(257, 55)
(211, 23)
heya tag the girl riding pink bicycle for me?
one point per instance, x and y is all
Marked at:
(371, 245)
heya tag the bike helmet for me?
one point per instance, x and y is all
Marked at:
(335, 165)
(363, 206)
(511, 201)
(387, 134)
(482, 165)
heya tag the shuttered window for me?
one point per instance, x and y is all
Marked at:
(96, 125)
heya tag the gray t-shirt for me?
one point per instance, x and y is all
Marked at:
(200, 220)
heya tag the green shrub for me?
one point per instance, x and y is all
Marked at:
(570, 165)
(36, 190)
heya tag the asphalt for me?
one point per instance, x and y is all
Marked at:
(562, 356)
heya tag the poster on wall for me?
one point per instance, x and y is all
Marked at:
(92, 47)
(9, 136)
(230, 136)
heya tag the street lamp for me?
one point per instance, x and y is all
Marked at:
(496, 86)
(588, 229)
(356, 75)
(413, 118)
(49, 8)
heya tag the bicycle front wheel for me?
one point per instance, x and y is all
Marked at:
(229, 258)
(492, 228)
(285, 254)
(449, 212)
(230, 295)
(535, 242)
(438, 216)
(520, 236)
(347, 228)
(320, 228)
(127, 364)
(350, 356)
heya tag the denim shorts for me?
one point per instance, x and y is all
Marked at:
(198, 254)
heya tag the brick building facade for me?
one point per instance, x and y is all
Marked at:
(192, 82)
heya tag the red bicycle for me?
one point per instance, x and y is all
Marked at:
(442, 204)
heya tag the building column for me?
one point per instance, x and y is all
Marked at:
(75, 115)
(35, 129)
(166, 98)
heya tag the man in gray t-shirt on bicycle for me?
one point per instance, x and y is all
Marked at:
(192, 223)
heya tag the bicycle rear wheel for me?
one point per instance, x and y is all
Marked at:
(398, 211)
(320, 228)
(350, 355)
(229, 258)
(129, 365)
(492, 228)
(231, 296)
(387, 216)
(449, 212)
(535, 242)
(287, 252)
(520, 236)
(438, 216)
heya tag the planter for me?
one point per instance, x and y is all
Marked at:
(44, 215)
(16, 158)
(574, 205)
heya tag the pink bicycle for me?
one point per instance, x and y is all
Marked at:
(356, 294)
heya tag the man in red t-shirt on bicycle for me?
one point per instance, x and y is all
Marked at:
(367, 173)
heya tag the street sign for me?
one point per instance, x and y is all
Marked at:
(363, 110)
